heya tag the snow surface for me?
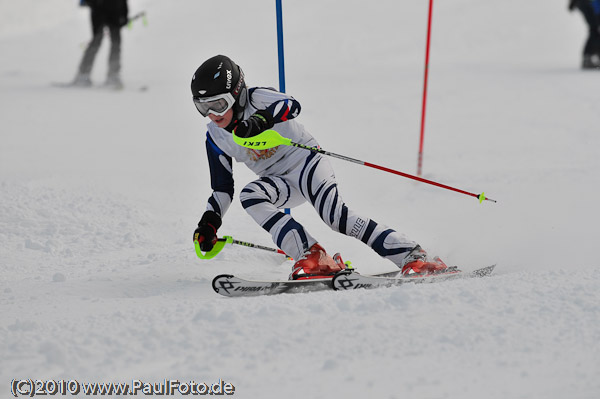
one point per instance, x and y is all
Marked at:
(100, 193)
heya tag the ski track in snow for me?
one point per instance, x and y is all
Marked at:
(100, 193)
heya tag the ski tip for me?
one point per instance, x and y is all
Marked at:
(217, 283)
(65, 85)
(484, 271)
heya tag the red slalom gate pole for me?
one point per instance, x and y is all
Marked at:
(423, 108)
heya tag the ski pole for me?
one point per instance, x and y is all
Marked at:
(142, 15)
(270, 139)
(230, 240)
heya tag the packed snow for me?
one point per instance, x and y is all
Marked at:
(100, 193)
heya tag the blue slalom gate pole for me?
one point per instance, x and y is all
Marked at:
(279, 13)
(280, 45)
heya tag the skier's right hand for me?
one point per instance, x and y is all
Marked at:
(257, 123)
(206, 233)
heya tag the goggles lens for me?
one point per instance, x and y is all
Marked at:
(217, 105)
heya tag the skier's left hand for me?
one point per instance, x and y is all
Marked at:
(257, 123)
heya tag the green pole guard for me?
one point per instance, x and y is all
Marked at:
(218, 247)
(481, 197)
(265, 140)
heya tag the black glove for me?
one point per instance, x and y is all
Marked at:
(206, 233)
(123, 20)
(258, 122)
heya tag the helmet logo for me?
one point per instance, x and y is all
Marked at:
(218, 71)
(202, 91)
(229, 76)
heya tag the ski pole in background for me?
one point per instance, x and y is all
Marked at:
(141, 15)
(422, 138)
(230, 240)
(270, 139)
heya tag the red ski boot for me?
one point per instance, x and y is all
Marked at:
(416, 263)
(315, 263)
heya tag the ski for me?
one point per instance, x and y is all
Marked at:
(71, 85)
(351, 280)
(232, 286)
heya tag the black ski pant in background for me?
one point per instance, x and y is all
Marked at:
(100, 20)
(592, 44)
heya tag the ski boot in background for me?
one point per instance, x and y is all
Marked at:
(113, 82)
(82, 80)
(591, 61)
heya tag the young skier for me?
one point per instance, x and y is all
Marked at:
(288, 176)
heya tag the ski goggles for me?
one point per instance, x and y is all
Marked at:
(217, 105)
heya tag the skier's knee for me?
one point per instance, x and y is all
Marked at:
(253, 194)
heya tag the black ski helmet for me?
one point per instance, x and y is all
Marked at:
(220, 75)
